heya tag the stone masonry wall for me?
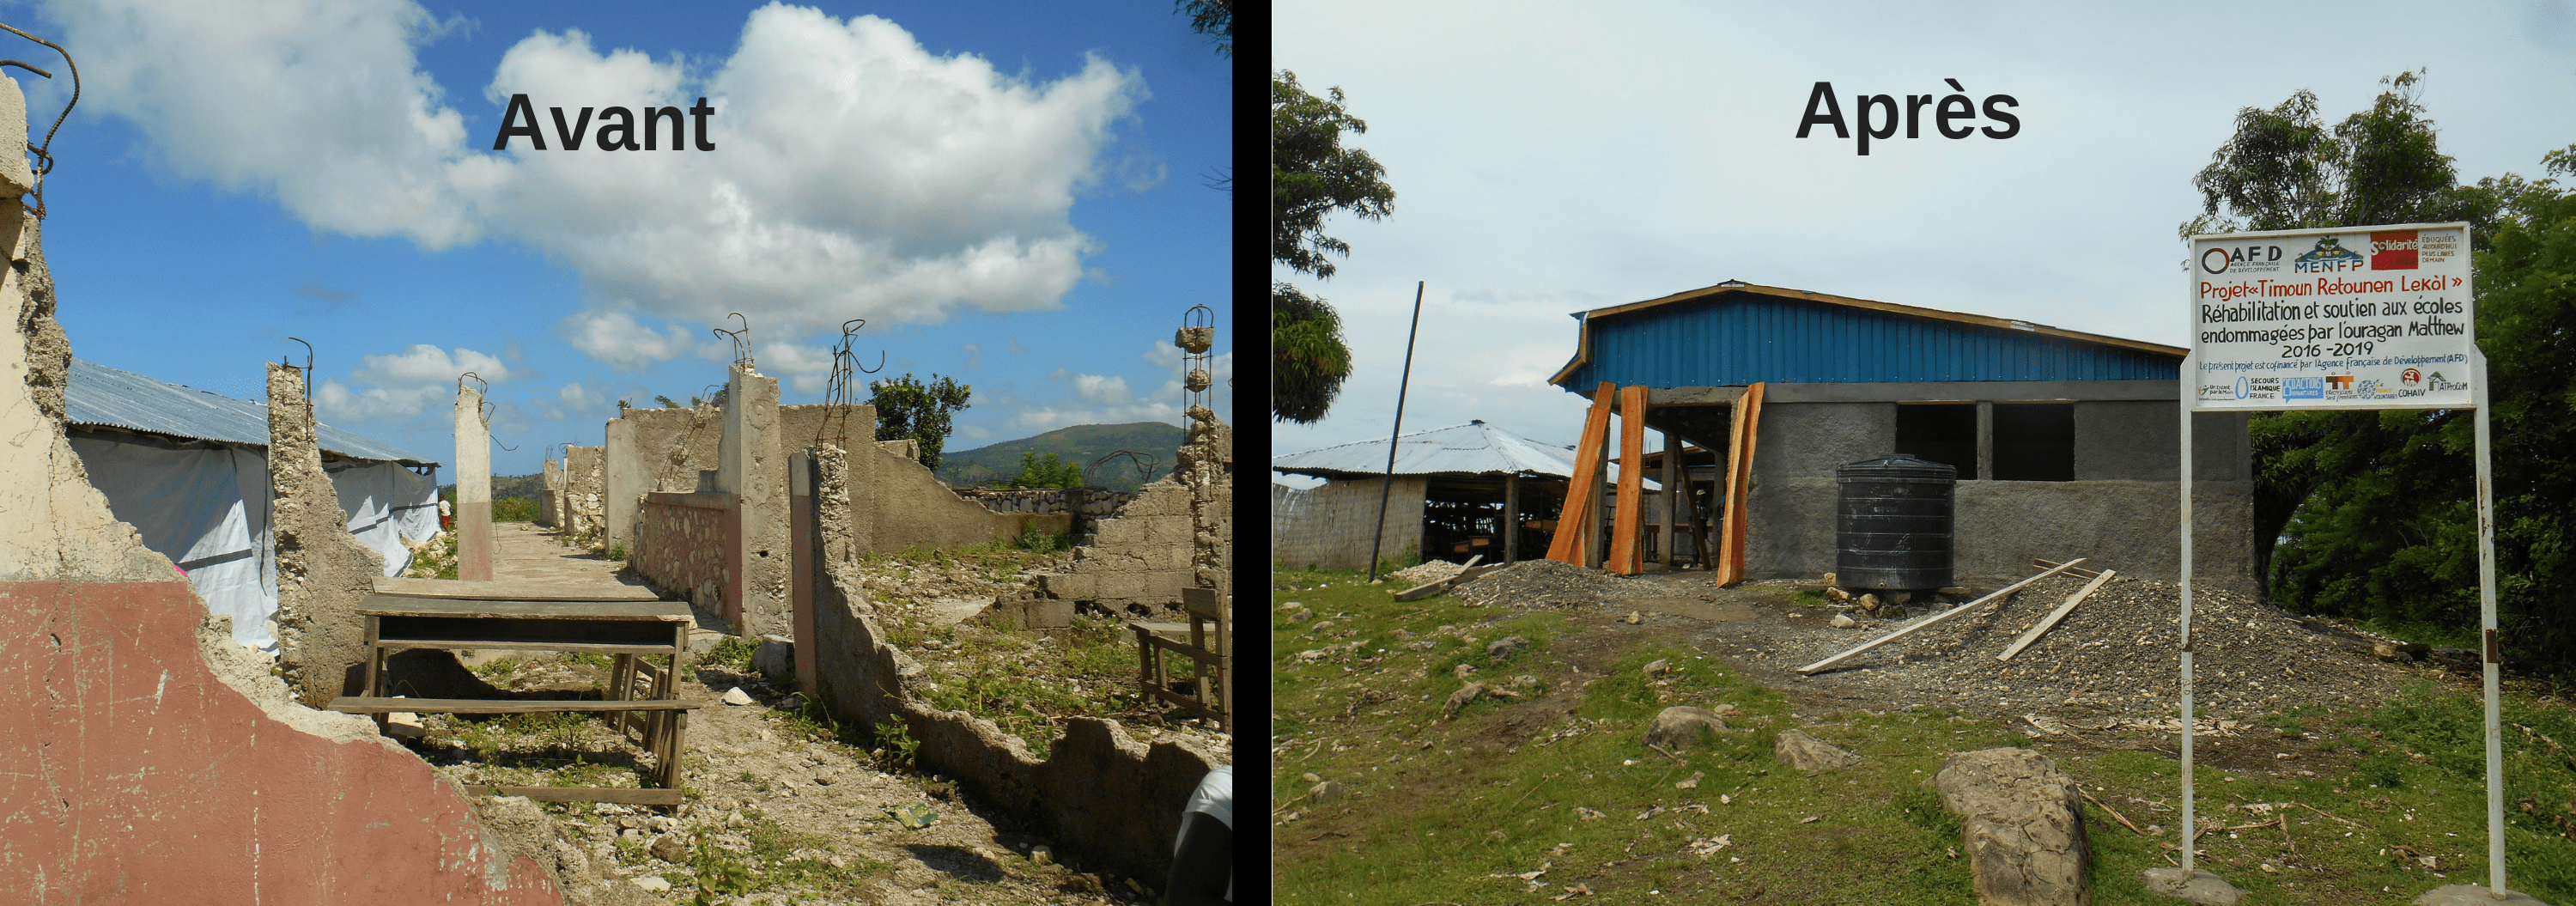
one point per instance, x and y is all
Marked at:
(1104, 797)
(1088, 505)
(322, 572)
(680, 545)
(583, 474)
(1177, 533)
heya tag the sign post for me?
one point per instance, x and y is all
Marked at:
(2377, 317)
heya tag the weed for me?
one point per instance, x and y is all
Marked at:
(734, 653)
(496, 667)
(892, 734)
(592, 658)
(617, 551)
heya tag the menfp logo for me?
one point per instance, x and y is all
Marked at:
(2327, 257)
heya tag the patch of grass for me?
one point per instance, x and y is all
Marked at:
(733, 653)
(591, 658)
(617, 551)
(500, 666)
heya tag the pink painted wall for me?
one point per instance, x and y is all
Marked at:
(130, 774)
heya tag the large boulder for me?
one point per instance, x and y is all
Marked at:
(2022, 824)
(1807, 753)
(1679, 727)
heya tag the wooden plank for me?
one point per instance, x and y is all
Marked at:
(582, 794)
(1192, 652)
(1627, 514)
(1934, 619)
(382, 605)
(512, 590)
(1739, 482)
(2060, 613)
(1567, 545)
(518, 645)
(2044, 564)
(352, 704)
(1433, 587)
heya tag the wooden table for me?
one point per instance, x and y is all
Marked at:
(629, 630)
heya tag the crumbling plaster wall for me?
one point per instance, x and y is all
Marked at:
(156, 761)
(1100, 794)
(897, 505)
(583, 491)
(752, 466)
(1178, 533)
(548, 507)
(322, 571)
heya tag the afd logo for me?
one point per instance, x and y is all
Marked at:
(2329, 256)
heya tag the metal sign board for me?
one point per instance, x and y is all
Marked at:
(2347, 318)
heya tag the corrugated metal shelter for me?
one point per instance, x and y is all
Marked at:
(1455, 490)
(2065, 441)
(189, 470)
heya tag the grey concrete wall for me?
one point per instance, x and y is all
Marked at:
(1342, 517)
(897, 505)
(2136, 441)
(1107, 800)
(550, 506)
(2118, 522)
(322, 571)
(621, 483)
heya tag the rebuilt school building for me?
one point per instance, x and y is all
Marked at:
(2065, 442)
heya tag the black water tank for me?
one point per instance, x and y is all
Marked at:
(1892, 523)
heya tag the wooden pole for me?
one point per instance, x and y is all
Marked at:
(1628, 524)
(1397, 440)
(1567, 545)
(1935, 619)
(1511, 518)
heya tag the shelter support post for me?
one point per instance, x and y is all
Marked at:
(2190, 366)
(1627, 526)
(1511, 518)
(2490, 657)
(1986, 440)
(1672, 532)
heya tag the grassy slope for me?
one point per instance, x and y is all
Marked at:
(1442, 807)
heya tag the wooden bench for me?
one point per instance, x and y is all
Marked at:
(642, 695)
(1212, 693)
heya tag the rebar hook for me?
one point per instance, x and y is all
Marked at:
(308, 359)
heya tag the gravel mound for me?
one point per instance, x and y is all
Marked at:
(2112, 659)
(1552, 585)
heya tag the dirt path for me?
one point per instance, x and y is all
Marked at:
(780, 813)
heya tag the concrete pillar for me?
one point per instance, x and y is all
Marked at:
(748, 466)
(624, 484)
(804, 567)
(322, 570)
(473, 488)
(549, 506)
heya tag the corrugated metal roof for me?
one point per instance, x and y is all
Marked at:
(1474, 448)
(98, 395)
(1738, 337)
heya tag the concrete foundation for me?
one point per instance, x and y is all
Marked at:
(473, 488)
(156, 761)
(322, 571)
(1108, 800)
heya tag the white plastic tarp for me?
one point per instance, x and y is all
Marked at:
(189, 504)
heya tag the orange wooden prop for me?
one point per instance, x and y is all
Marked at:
(1576, 517)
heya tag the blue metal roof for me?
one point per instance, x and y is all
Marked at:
(1737, 334)
(95, 394)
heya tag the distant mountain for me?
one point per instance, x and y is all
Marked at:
(1078, 444)
(513, 487)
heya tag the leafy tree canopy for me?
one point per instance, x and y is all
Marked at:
(1313, 175)
(1308, 360)
(910, 409)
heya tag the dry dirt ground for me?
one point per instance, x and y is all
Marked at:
(780, 810)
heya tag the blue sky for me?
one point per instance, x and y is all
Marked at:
(1547, 163)
(1013, 194)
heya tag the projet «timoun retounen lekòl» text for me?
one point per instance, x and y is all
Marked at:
(618, 122)
(1823, 110)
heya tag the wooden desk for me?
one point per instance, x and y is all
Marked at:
(629, 630)
(1212, 693)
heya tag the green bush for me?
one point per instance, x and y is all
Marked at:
(514, 509)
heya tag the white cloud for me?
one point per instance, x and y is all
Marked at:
(859, 174)
(1041, 419)
(615, 339)
(807, 368)
(404, 385)
(974, 356)
(426, 363)
(1107, 390)
(339, 403)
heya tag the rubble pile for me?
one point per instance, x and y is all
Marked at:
(1552, 585)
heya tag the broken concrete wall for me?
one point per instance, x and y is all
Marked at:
(1206, 467)
(1088, 505)
(583, 491)
(1100, 794)
(155, 760)
(549, 507)
(322, 571)
(751, 465)
(621, 473)
(898, 505)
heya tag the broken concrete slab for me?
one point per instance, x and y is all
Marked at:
(775, 658)
(322, 570)
(952, 611)
(2473, 895)
(2021, 822)
(2196, 886)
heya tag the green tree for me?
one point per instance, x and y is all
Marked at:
(1312, 175)
(1049, 471)
(1213, 18)
(910, 409)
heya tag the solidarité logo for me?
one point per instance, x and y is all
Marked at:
(2393, 251)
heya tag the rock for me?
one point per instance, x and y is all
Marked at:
(2021, 822)
(1310, 777)
(1633, 618)
(1329, 790)
(1836, 594)
(1525, 681)
(1505, 647)
(2203, 887)
(1466, 670)
(1830, 579)
(1658, 667)
(775, 659)
(1298, 615)
(735, 696)
(670, 848)
(1465, 694)
(1042, 854)
(655, 883)
(2454, 658)
(1844, 621)
(2466, 894)
(1692, 782)
(1679, 727)
(1869, 603)
(404, 725)
(2393, 651)
(1807, 753)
